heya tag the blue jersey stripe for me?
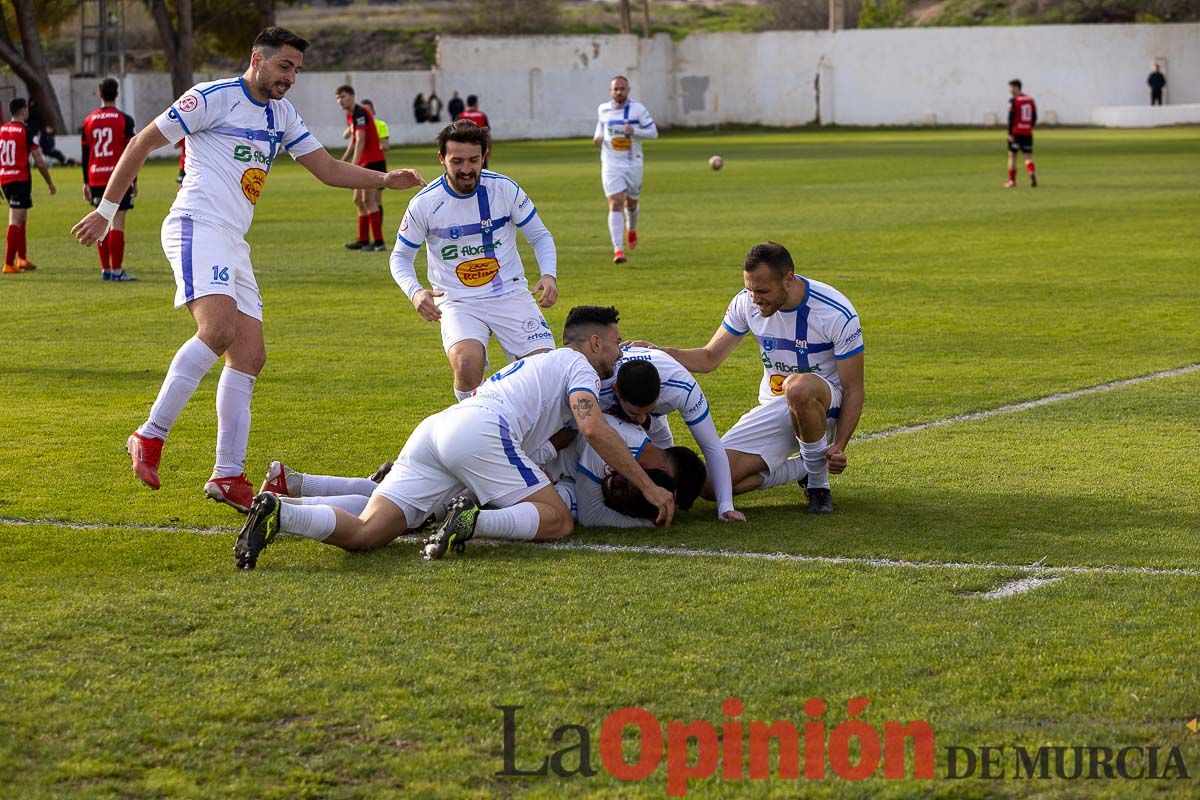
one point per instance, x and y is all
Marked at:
(829, 301)
(700, 418)
(853, 352)
(413, 245)
(297, 140)
(514, 458)
(587, 389)
(733, 330)
(532, 214)
(185, 257)
(588, 473)
(179, 119)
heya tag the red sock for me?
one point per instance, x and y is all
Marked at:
(1012, 174)
(102, 246)
(1029, 167)
(21, 251)
(116, 246)
(364, 223)
(10, 246)
(376, 218)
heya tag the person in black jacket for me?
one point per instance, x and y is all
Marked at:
(1157, 82)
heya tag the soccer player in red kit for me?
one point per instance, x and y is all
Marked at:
(106, 131)
(364, 151)
(17, 146)
(1022, 116)
(473, 114)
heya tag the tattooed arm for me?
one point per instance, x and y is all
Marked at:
(609, 445)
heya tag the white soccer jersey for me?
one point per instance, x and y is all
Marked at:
(679, 391)
(470, 239)
(232, 140)
(812, 337)
(531, 394)
(582, 463)
(619, 149)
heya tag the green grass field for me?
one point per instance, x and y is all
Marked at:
(136, 662)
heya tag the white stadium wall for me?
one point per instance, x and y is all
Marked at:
(549, 87)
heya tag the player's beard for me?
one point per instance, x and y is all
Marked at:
(467, 186)
(272, 88)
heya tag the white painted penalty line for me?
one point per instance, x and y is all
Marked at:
(1028, 404)
(1038, 568)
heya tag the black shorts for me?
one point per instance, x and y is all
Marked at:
(98, 195)
(1022, 142)
(19, 194)
(378, 166)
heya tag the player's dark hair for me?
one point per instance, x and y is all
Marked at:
(108, 89)
(17, 105)
(638, 382)
(366, 102)
(690, 473)
(773, 256)
(273, 38)
(464, 131)
(345, 88)
(472, 100)
(1015, 82)
(625, 498)
(619, 78)
(582, 321)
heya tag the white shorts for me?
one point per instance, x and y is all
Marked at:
(207, 259)
(514, 318)
(625, 178)
(766, 430)
(465, 446)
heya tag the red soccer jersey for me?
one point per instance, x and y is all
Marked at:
(476, 116)
(106, 131)
(1022, 115)
(360, 119)
(16, 145)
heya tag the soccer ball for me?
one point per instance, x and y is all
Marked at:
(716, 162)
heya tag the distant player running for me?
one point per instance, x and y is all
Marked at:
(17, 146)
(106, 132)
(1022, 116)
(621, 126)
(235, 129)
(811, 347)
(468, 222)
(366, 151)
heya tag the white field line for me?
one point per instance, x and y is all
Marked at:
(1037, 568)
(1018, 587)
(1028, 404)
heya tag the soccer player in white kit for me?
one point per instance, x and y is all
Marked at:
(235, 129)
(480, 445)
(678, 392)
(811, 346)
(468, 221)
(621, 126)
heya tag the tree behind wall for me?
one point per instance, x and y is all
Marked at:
(27, 59)
(174, 21)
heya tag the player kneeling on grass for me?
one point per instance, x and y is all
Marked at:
(811, 346)
(480, 444)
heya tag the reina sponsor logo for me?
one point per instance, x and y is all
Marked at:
(478, 272)
(252, 184)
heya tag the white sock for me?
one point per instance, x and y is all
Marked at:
(191, 363)
(616, 229)
(787, 472)
(328, 485)
(631, 214)
(233, 421)
(311, 522)
(815, 463)
(515, 522)
(354, 503)
(461, 395)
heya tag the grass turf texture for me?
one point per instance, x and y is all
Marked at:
(140, 664)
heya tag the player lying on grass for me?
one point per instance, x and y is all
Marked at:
(678, 392)
(811, 347)
(595, 494)
(480, 443)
